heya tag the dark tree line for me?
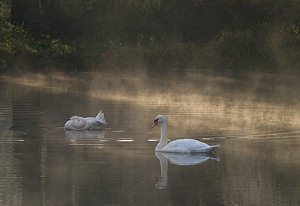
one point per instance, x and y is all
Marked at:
(92, 34)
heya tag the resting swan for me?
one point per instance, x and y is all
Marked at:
(87, 123)
(180, 145)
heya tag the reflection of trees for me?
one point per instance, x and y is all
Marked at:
(42, 166)
(10, 167)
(26, 109)
(11, 192)
(261, 173)
(103, 177)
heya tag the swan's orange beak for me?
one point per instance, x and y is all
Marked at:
(154, 124)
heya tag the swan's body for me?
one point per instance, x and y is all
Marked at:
(187, 146)
(87, 123)
(181, 145)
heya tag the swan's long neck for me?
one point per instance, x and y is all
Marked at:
(163, 136)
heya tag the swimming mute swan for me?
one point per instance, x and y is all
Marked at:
(87, 123)
(180, 145)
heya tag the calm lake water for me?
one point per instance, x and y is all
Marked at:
(255, 119)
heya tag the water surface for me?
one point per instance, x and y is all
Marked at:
(256, 125)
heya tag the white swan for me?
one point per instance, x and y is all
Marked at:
(180, 145)
(87, 123)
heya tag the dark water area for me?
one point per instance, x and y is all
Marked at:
(254, 117)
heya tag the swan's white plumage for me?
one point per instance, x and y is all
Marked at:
(87, 123)
(187, 146)
(181, 145)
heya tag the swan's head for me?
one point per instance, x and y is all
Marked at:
(75, 122)
(159, 119)
(68, 124)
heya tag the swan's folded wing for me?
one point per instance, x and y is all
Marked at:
(94, 122)
(101, 121)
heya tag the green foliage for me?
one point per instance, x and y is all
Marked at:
(18, 46)
(14, 39)
(158, 34)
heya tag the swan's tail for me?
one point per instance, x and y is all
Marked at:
(211, 148)
(100, 116)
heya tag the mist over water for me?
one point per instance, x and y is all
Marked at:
(209, 103)
(253, 116)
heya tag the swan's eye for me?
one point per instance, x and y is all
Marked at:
(156, 120)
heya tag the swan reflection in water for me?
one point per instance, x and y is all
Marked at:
(84, 137)
(182, 159)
